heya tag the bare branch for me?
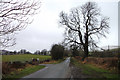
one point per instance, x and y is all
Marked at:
(83, 24)
(15, 15)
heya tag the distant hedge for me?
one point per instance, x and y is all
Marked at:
(107, 53)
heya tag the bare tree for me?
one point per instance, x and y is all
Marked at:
(84, 26)
(15, 15)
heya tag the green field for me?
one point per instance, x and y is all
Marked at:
(23, 57)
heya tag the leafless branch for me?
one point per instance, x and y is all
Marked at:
(15, 15)
(83, 24)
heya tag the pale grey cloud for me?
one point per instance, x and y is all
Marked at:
(45, 31)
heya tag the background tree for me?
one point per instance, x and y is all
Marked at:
(28, 52)
(15, 52)
(15, 16)
(23, 51)
(44, 52)
(37, 52)
(57, 51)
(67, 53)
(75, 50)
(84, 26)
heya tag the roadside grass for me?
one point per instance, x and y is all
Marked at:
(59, 61)
(23, 57)
(54, 61)
(22, 72)
(93, 71)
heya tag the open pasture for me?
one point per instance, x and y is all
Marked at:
(23, 57)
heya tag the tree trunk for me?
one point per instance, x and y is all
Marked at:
(86, 41)
(85, 53)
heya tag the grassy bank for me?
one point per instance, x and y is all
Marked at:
(23, 72)
(23, 57)
(54, 61)
(93, 71)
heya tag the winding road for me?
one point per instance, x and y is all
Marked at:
(60, 70)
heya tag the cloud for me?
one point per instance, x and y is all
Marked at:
(44, 31)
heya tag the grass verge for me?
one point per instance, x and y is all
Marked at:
(59, 61)
(54, 61)
(94, 72)
(23, 72)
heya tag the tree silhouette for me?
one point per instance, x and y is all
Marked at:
(84, 26)
(57, 51)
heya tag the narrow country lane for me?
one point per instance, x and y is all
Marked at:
(60, 70)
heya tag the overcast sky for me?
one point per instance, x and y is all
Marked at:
(45, 31)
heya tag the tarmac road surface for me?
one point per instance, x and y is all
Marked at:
(60, 70)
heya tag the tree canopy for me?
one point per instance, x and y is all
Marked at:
(57, 51)
(84, 26)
